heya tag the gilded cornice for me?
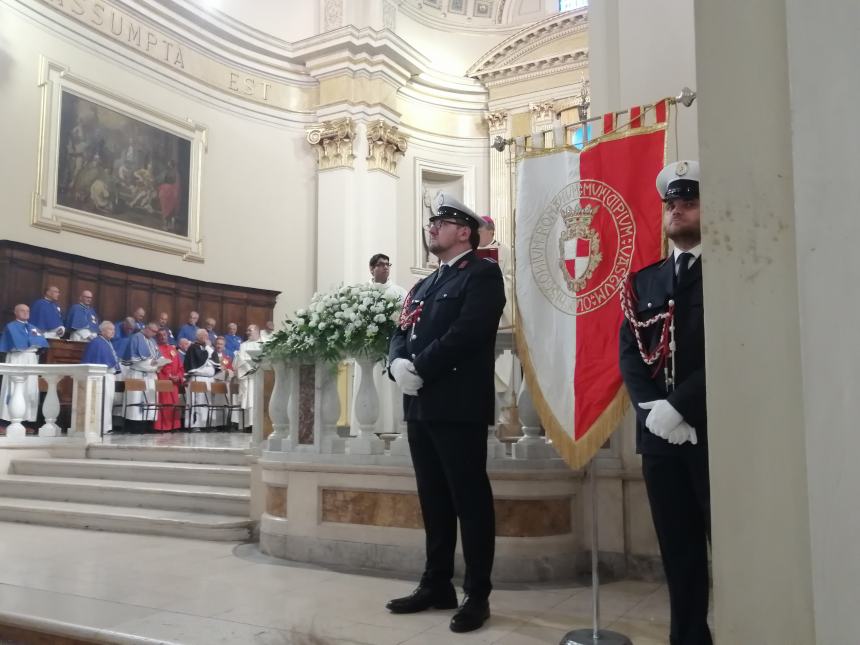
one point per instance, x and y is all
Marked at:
(385, 146)
(333, 141)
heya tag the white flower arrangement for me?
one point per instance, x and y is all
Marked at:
(355, 320)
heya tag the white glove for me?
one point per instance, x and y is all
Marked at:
(663, 418)
(405, 376)
(682, 433)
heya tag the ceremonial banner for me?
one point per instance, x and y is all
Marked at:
(584, 220)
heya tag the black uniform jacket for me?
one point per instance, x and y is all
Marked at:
(654, 288)
(452, 342)
(197, 356)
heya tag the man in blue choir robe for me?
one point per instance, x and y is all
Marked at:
(142, 357)
(46, 315)
(189, 330)
(163, 320)
(21, 342)
(138, 322)
(210, 330)
(139, 316)
(124, 332)
(100, 351)
(232, 341)
(82, 319)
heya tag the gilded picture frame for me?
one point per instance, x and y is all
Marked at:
(113, 168)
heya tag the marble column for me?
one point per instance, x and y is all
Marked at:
(356, 195)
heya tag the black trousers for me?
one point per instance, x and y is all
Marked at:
(678, 490)
(450, 463)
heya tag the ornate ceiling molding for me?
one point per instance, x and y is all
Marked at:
(515, 57)
(463, 16)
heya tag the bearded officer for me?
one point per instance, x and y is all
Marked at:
(668, 388)
(442, 357)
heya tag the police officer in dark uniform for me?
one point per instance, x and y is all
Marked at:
(442, 357)
(663, 307)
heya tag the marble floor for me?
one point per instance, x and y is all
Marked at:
(171, 590)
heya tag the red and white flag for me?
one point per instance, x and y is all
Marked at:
(584, 221)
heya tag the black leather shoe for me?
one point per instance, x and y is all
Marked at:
(424, 598)
(471, 615)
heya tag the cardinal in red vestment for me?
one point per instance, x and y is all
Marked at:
(169, 418)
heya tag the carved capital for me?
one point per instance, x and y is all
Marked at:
(497, 120)
(385, 146)
(333, 142)
(542, 111)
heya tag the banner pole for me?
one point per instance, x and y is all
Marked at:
(594, 636)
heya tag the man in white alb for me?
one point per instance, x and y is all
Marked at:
(390, 408)
(244, 367)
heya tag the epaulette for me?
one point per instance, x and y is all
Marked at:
(654, 265)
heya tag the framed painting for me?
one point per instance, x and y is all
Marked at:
(113, 168)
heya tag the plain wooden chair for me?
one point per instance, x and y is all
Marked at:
(145, 406)
(221, 388)
(118, 388)
(198, 387)
(164, 386)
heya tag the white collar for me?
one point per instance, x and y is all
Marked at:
(451, 262)
(696, 252)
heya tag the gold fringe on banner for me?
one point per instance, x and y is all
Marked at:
(578, 453)
(575, 453)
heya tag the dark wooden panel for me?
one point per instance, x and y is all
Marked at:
(257, 315)
(25, 272)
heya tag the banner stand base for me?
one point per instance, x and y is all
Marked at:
(590, 637)
(595, 635)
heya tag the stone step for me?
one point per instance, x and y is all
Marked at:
(182, 454)
(221, 500)
(139, 471)
(201, 526)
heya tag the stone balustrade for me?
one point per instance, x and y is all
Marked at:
(87, 399)
(304, 408)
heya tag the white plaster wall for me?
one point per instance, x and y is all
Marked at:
(289, 20)
(451, 53)
(823, 48)
(259, 176)
(640, 52)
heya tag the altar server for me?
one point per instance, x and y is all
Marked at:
(163, 320)
(244, 366)
(82, 319)
(232, 340)
(46, 314)
(189, 330)
(201, 363)
(169, 418)
(142, 356)
(123, 332)
(100, 351)
(21, 342)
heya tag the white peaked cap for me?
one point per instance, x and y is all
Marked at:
(679, 179)
(449, 206)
